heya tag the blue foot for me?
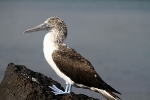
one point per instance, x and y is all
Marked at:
(57, 91)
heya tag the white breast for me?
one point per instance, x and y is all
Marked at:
(48, 47)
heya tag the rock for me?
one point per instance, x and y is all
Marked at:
(21, 83)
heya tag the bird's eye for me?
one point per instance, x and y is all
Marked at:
(47, 25)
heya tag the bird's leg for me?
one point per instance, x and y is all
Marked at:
(66, 87)
(58, 91)
(69, 88)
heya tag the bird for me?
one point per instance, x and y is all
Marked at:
(68, 64)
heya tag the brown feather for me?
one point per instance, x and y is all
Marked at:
(80, 70)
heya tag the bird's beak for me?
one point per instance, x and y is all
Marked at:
(43, 26)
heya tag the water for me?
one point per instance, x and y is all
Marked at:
(113, 35)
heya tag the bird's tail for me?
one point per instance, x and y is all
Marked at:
(108, 94)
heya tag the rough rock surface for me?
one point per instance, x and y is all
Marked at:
(21, 83)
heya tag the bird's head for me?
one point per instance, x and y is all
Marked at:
(52, 23)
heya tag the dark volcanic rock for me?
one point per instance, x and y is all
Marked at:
(20, 83)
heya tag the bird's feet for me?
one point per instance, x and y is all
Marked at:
(57, 91)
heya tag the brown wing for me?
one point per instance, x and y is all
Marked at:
(78, 69)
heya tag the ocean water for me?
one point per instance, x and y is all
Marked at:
(113, 35)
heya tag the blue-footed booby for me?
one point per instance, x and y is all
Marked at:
(67, 63)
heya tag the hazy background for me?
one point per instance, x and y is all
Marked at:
(113, 35)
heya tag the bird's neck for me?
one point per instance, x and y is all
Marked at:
(49, 44)
(53, 39)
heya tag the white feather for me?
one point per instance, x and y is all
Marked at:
(48, 47)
